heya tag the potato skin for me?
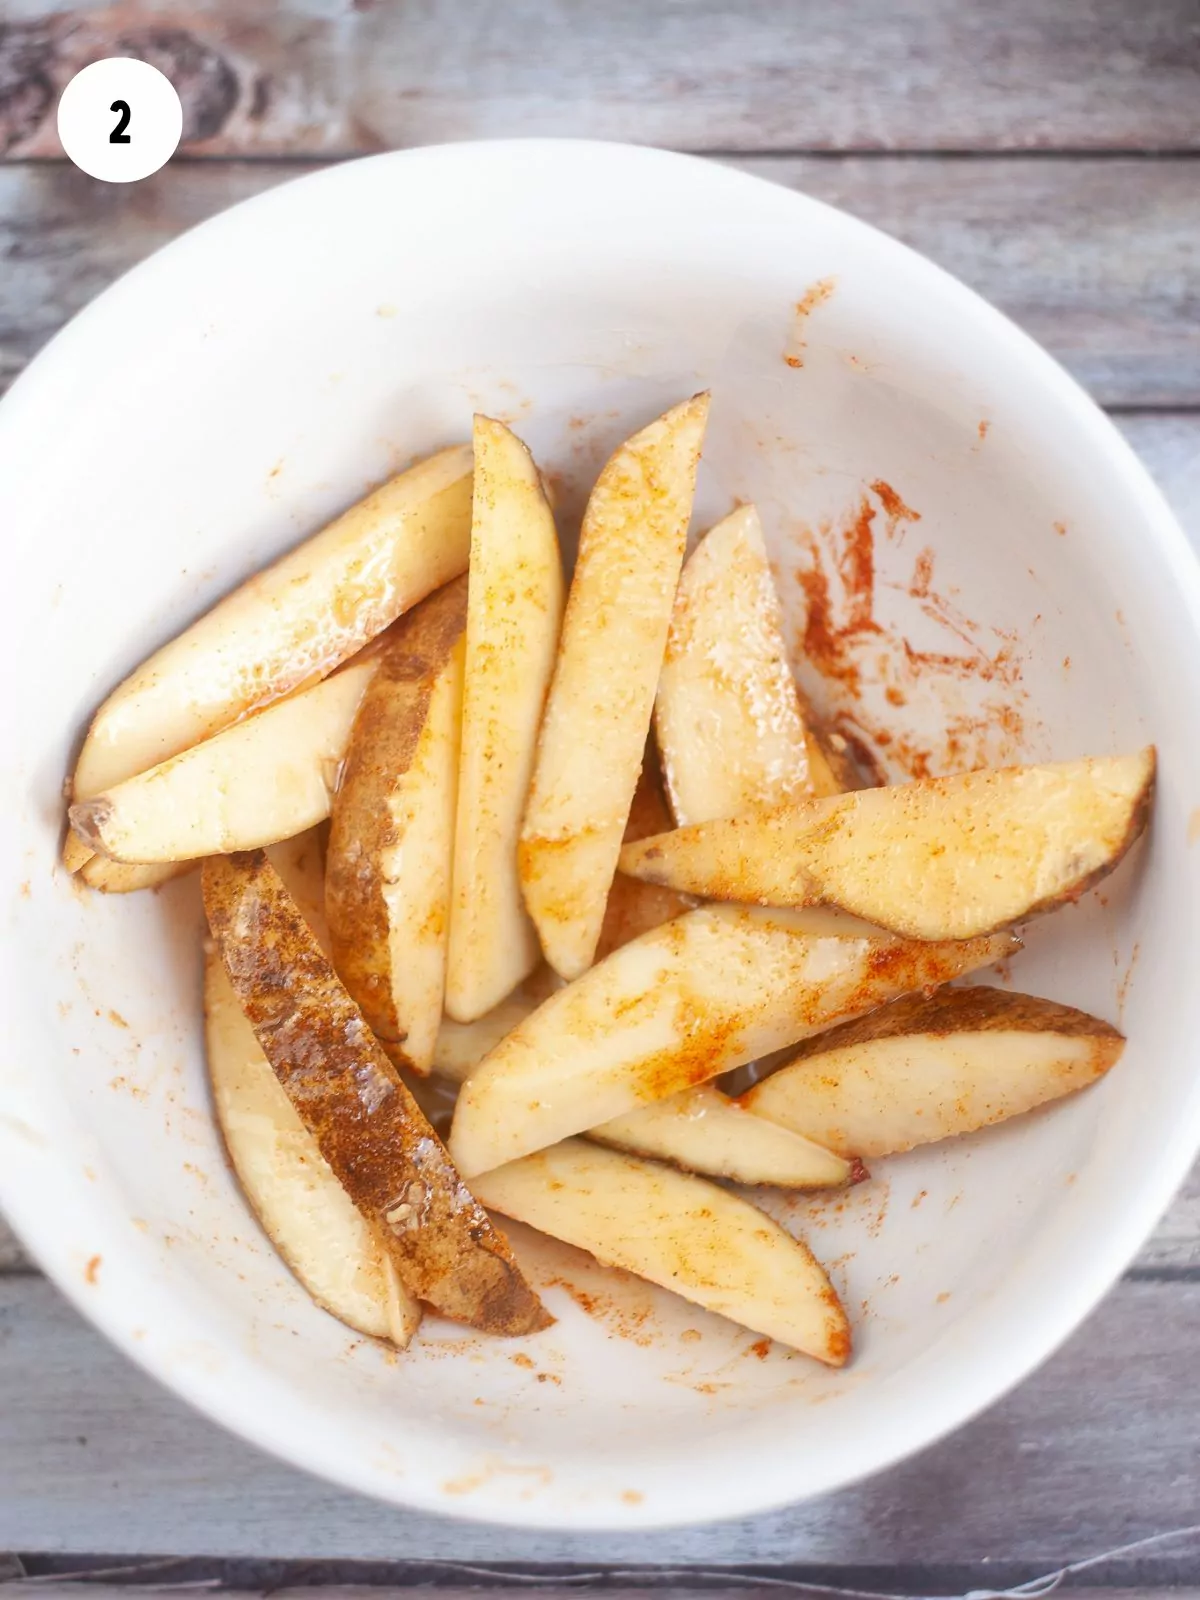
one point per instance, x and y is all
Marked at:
(974, 1009)
(382, 745)
(351, 1099)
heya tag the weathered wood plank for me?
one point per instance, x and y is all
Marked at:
(1097, 259)
(1095, 1450)
(160, 1579)
(1175, 1245)
(1170, 447)
(331, 78)
(1048, 242)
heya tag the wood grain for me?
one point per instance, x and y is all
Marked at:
(1096, 259)
(330, 78)
(1170, 448)
(1096, 1449)
(153, 1580)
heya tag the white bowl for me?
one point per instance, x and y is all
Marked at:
(259, 374)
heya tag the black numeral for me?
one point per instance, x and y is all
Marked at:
(118, 135)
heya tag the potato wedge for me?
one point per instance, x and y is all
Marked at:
(391, 834)
(700, 995)
(303, 1209)
(602, 692)
(700, 1130)
(268, 778)
(118, 877)
(728, 716)
(634, 907)
(943, 858)
(704, 1131)
(291, 1188)
(289, 625)
(920, 1070)
(513, 619)
(351, 1099)
(712, 1247)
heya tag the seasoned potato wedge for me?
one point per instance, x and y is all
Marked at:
(602, 692)
(920, 1069)
(351, 1099)
(681, 1232)
(694, 998)
(119, 877)
(728, 717)
(700, 1130)
(303, 1209)
(289, 625)
(268, 778)
(704, 1131)
(942, 858)
(391, 833)
(513, 620)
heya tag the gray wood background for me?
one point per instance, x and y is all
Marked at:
(1046, 151)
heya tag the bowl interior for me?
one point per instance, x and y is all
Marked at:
(1026, 596)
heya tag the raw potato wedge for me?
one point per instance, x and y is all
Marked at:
(303, 1209)
(712, 1247)
(289, 625)
(268, 778)
(513, 619)
(700, 995)
(703, 1131)
(118, 877)
(351, 1099)
(920, 1069)
(700, 1130)
(602, 693)
(634, 907)
(943, 858)
(392, 830)
(728, 718)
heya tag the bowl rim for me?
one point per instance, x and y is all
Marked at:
(285, 1435)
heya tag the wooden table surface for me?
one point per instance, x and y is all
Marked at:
(1046, 151)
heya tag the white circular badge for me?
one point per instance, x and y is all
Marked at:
(120, 120)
